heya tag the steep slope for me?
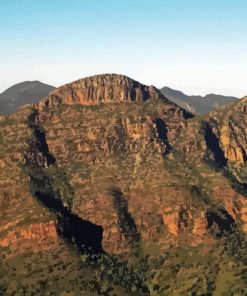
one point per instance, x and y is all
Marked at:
(106, 187)
(230, 124)
(227, 127)
(28, 92)
(132, 123)
(197, 104)
(219, 139)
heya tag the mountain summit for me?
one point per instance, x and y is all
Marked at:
(105, 88)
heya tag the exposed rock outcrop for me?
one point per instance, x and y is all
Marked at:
(230, 124)
(107, 88)
(35, 232)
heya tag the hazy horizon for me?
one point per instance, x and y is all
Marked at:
(192, 46)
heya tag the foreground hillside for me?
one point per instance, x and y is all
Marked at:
(108, 188)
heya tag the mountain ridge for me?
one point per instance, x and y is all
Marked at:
(107, 88)
(195, 103)
(16, 96)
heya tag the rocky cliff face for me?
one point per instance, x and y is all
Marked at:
(230, 127)
(98, 89)
(225, 128)
(110, 167)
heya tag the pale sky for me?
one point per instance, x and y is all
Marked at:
(195, 46)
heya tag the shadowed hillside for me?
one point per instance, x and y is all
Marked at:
(197, 104)
(28, 92)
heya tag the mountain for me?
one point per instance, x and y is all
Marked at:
(28, 92)
(197, 104)
(109, 188)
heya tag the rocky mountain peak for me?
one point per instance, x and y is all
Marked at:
(105, 88)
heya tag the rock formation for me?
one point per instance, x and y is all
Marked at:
(98, 89)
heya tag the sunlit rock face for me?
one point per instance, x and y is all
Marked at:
(230, 126)
(106, 88)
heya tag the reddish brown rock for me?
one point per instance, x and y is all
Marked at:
(200, 225)
(35, 232)
(98, 89)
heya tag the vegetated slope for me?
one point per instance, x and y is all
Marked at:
(28, 92)
(108, 188)
(197, 104)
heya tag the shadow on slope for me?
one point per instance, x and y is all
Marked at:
(42, 170)
(126, 222)
(86, 236)
(220, 160)
(162, 131)
(213, 145)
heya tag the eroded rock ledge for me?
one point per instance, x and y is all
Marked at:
(101, 88)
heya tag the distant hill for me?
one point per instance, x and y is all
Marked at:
(28, 92)
(197, 104)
